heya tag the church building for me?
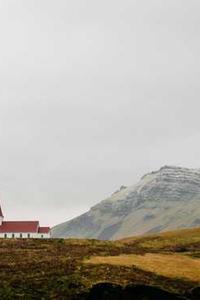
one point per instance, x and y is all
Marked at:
(22, 229)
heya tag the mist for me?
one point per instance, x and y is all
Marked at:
(93, 95)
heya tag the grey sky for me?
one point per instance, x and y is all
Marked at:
(93, 94)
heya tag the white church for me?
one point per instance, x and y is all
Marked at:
(22, 229)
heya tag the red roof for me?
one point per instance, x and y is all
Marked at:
(19, 226)
(1, 214)
(43, 229)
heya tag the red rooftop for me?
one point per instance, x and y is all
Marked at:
(22, 229)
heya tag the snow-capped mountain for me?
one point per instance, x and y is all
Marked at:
(163, 200)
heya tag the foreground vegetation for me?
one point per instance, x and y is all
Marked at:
(63, 269)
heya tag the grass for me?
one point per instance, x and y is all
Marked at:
(170, 239)
(56, 269)
(168, 265)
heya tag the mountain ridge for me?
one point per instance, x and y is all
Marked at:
(166, 199)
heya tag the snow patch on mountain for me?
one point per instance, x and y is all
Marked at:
(163, 200)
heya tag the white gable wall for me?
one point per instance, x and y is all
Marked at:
(25, 235)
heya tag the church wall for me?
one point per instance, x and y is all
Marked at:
(25, 235)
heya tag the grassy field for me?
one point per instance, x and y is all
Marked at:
(61, 269)
(169, 265)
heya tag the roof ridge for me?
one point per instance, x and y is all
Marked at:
(22, 221)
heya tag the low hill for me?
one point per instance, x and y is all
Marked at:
(163, 200)
(67, 269)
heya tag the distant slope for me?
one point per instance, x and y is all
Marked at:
(172, 241)
(163, 200)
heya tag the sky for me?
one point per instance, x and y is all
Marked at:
(93, 95)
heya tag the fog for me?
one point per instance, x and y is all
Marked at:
(93, 95)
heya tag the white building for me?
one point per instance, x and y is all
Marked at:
(22, 229)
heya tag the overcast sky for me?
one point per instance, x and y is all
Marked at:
(93, 94)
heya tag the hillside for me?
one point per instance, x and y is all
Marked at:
(163, 200)
(67, 269)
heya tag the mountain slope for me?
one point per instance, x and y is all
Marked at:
(163, 200)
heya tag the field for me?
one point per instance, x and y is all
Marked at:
(62, 269)
(170, 265)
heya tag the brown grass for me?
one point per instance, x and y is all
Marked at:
(55, 269)
(169, 265)
(182, 237)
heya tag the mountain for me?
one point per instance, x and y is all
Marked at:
(163, 200)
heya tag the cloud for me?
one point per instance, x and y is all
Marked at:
(93, 95)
